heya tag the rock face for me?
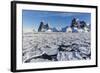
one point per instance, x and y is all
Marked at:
(54, 30)
(79, 24)
(76, 26)
(64, 29)
(44, 47)
(74, 23)
(83, 24)
(43, 27)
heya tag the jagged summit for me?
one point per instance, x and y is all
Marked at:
(76, 26)
(43, 27)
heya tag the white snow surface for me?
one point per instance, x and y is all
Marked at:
(58, 46)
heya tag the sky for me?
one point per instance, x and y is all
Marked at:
(31, 18)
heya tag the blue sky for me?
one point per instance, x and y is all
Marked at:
(32, 18)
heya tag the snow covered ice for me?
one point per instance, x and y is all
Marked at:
(56, 46)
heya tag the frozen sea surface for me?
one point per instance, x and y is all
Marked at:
(45, 47)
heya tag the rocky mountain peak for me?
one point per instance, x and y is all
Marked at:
(43, 27)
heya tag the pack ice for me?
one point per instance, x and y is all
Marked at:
(55, 46)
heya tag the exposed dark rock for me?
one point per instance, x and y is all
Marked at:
(43, 27)
(74, 23)
(54, 29)
(83, 24)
